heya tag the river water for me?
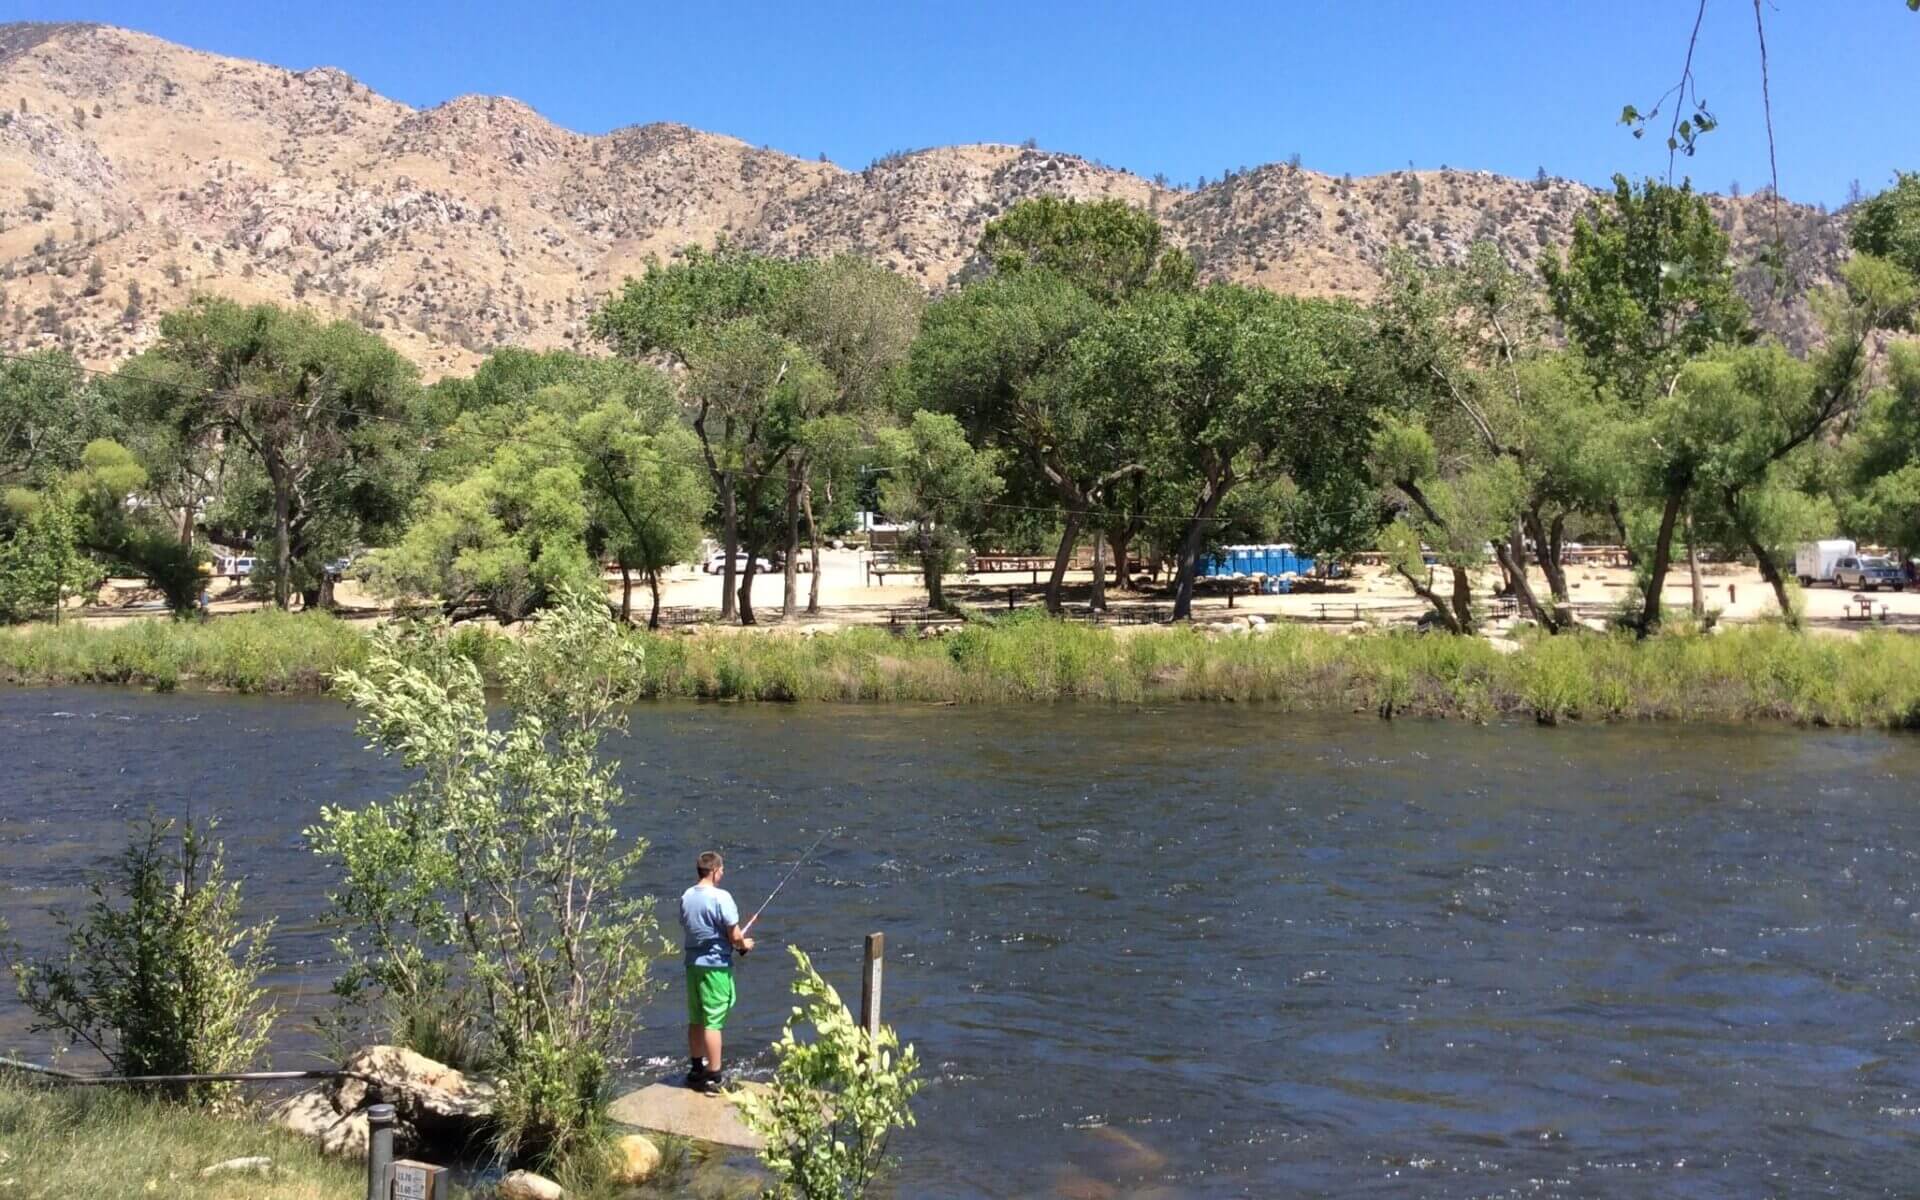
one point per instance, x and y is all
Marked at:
(1202, 951)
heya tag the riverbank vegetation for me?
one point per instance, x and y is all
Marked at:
(1763, 672)
(101, 1142)
(1081, 392)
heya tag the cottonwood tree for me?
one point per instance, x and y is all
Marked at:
(997, 353)
(1644, 287)
(322, 410)
(1234, 386)
(1879, 475)
(722, 318)
(938, 485)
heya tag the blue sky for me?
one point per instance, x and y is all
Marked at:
(1181, 89)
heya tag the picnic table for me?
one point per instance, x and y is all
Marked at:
(883, 563)
(1324, 606)
(900, 620)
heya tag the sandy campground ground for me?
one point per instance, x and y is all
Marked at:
(1373, 596)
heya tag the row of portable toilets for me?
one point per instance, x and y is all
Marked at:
(1274, 562)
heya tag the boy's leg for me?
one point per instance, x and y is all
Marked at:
(711, 1046)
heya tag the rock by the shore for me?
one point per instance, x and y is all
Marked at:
(432, 1098)
(312, 1114)
(639, 1158)
(525, 1185)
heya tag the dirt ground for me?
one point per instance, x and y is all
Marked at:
(848, 597)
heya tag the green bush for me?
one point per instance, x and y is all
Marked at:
(835, 1100)
(159, 977)
(496, 884)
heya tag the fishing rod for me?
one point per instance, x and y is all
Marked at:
(808, 853)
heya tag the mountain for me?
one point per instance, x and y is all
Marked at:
(134, 172)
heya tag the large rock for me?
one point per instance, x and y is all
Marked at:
(638, 1159)
(312, 1114)
(525, 1185)
(438, 1102)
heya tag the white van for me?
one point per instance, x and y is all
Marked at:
(1814, 562)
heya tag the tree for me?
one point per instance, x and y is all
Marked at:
(722, 317)
(1103, 247)
(1646, 286)
(497, 884)
(320, 409)
(644, 490)
(1888, 224)
(1880, 467)
(160, 977)
(938, 485)
(989, 355)
(510, 536)
(49, 411)
(858, 321)
(1233, 386)
(1457, 514)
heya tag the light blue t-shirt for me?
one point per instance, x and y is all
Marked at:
(706, 913)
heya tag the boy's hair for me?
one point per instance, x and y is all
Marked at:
(708, 862)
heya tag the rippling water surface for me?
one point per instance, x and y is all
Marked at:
(1204, 951)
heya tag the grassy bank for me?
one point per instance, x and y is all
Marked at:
(1737, 674)
(256, 652)
(97, 1142)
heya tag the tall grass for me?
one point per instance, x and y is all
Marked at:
(101, 1142)
(1762, 672)
(253, 652)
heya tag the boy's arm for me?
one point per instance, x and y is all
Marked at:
(741, 941)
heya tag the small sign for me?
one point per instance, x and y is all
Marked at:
(417, 1181)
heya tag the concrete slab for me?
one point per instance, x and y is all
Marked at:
(670, 1108)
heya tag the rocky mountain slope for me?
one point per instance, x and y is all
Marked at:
(134, 172)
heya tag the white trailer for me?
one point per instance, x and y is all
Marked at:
(1813, 562)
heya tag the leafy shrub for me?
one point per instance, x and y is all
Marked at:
(159, 976)
(496, 885)
(835, 1099)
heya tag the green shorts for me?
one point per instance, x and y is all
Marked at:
(709, 996)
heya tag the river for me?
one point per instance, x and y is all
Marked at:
(1201, 951)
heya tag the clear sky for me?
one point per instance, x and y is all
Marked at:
(1184, 89)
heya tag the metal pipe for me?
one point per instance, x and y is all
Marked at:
(212, 1077)
(379, 1149)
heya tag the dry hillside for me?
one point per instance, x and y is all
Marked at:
(134, 171)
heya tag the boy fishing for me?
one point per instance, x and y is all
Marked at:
(710, 928)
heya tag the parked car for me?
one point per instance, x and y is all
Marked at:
(1868, 572)
(238, 566)
(1814, 562)
(717, 564)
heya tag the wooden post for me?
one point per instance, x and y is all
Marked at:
(870, 982)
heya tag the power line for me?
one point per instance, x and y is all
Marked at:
(179, 388)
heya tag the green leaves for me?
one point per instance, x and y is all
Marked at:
(835, 1098)
(498, 884)
(159, 977)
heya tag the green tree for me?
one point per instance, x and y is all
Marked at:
(499, 875)
(1888, 225)
(1646, 286)
(938, 484)
(724, 317)
(49, 411)
(1235, 386)
(1106, 248)
(159, 977)
(321, 410)
(1880, 466)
